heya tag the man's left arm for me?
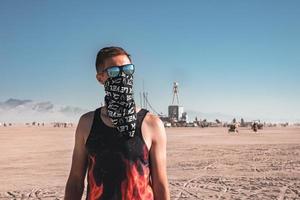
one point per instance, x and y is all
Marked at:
(158, 159)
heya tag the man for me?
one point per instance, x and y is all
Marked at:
(121, 147)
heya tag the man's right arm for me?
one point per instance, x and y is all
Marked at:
(75, 184)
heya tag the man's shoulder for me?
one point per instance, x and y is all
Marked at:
(153, 121)
(85, 121)
(154, 126)
(87, 116)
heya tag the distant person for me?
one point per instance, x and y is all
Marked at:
(233, 127)
(120, 146)
(255, 127)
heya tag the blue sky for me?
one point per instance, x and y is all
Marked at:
(232, 57)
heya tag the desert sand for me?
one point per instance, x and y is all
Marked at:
(203, 163)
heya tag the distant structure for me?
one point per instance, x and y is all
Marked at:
(176, 116)
(175, 111)
(175, 92)
(145, 103)
(243, 122)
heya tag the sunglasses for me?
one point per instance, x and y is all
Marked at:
(116, 70)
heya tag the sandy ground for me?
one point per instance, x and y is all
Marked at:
(203, 163)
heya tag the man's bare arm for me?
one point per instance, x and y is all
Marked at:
(75, 184)
(158, 159)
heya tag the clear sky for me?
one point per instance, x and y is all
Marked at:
(232, 57)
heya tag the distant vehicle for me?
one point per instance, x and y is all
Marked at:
(191, 124)
(214, 124)
(203, 123)
(284, 124)
(167, 124)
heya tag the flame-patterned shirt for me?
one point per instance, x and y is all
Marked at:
(118, 167)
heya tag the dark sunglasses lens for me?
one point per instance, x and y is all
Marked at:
(128, 69)
(113, 71)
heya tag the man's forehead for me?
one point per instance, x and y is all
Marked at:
(118, 60)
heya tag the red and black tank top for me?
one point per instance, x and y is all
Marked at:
(118, 167)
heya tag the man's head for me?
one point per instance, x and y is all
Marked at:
(115, 72)
(108, 57)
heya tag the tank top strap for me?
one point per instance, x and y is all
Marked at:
(95, 124)
(97, 113)
(140, 117)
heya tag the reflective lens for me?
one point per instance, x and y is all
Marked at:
(128, 69)
(113, 71)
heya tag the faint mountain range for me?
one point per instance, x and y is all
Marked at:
(17, 110)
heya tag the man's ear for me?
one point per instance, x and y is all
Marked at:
(101, 78)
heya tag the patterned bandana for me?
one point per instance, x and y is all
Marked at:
(120, 103)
